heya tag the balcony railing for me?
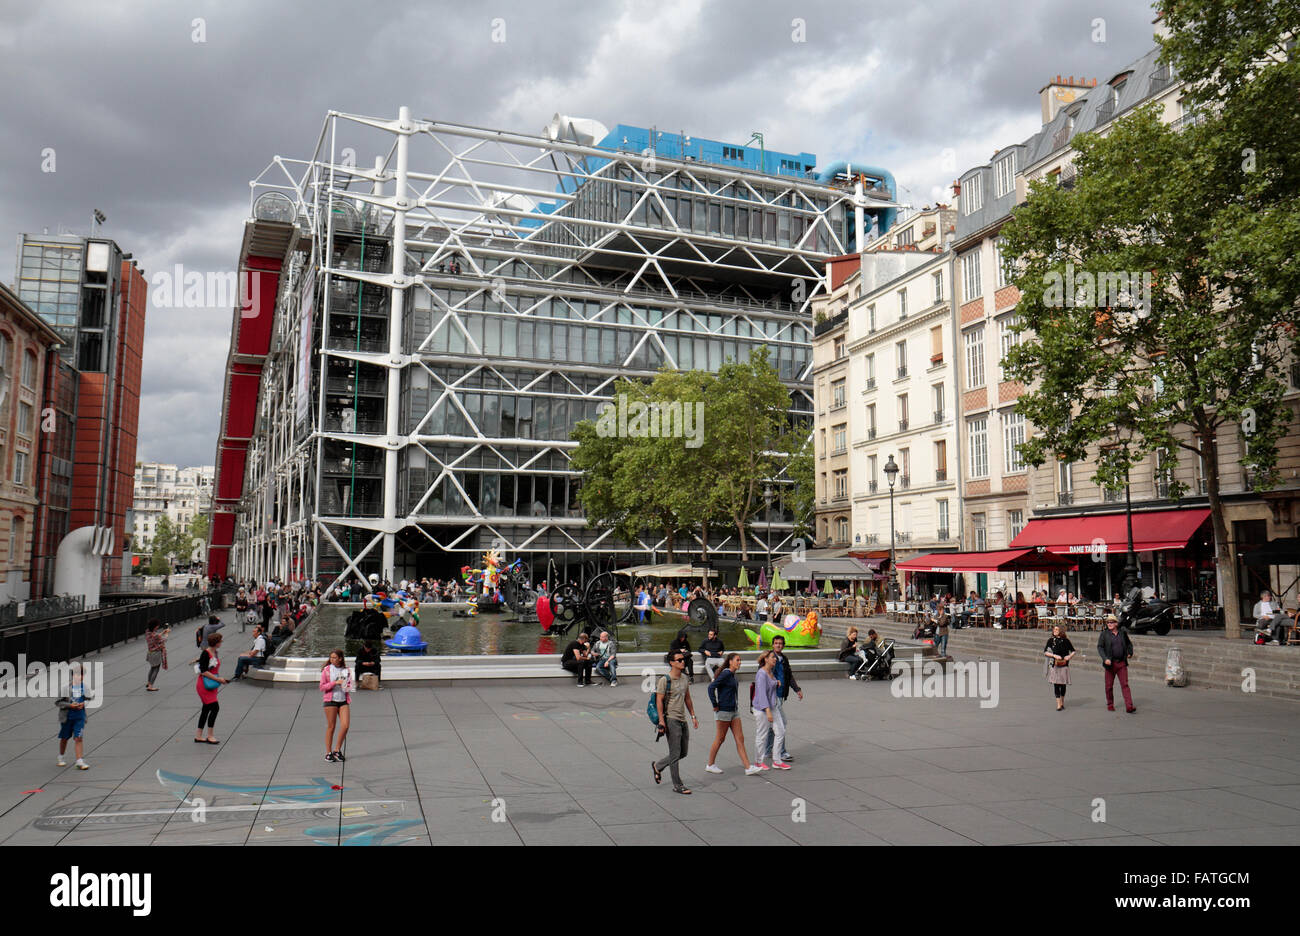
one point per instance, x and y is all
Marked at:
(902, 371)
(1162, 487)
(1203, 486)
(902, 537)
(938, 416)
(871, 383)
(872, 538)
(943, 534)
(904, 481)
(1295, 374)
(873, 487)
(1065, 498)
(1111, 495)
(940, 474)
(902, 425)
(871, 433)
(1159, 81)
(341, 385)
(1190, 119)
(352, 343)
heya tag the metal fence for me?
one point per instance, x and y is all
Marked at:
(71, 637)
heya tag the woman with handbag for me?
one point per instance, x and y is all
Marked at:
(155, 639)
(1059, 651)
(207, 685)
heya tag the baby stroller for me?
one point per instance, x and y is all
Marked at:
(876, 664)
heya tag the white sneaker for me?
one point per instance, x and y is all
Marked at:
(712, 768)
(753, 769)
(62, 762)
(82, 765)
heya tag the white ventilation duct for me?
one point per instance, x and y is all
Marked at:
(79, 562)
(581, 130)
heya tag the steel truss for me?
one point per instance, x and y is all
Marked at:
(494, 237)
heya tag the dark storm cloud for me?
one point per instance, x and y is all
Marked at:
(163, 133)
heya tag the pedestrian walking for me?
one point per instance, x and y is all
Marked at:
(785, 678)
(155, 641)
(207, 685)
(724, 692)
(769, 727)
(1116, 650)
(942, 621)
(336, 686)
(674, 702)
(72, 717)
(1059, 651)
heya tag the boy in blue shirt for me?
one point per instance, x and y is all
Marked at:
(72, 718)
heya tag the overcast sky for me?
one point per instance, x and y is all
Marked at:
(163, 133)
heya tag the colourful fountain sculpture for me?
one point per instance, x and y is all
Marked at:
(484, 583)
(797, 631)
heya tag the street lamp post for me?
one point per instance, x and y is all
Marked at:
(767, 504)
(891, 472)
(1130, 565)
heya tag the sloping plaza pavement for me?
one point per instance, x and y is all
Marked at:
(510, 765)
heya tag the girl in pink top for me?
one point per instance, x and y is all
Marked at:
(336, 685)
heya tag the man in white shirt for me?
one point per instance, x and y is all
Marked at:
(762, 608)
(257, 655)
(1268, 616)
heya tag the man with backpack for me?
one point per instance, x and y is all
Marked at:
(672, 699)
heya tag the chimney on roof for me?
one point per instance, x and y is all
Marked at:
(1060, 92)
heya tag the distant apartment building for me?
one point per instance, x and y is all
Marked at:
(1007, 503)
(884, 387)
(94, 296)
(27, 350)
(179, 494)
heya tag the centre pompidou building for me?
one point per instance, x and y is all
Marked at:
(418, 332)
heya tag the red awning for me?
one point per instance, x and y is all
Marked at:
(1152, 529)
(999, 560)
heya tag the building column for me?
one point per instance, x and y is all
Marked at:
(398, 291)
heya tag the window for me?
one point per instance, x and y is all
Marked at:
(837, 394)
(975, 358)
(840, 436)
(871, 318)
(871, 420)
(977, 432)
(979, 526)
(841, 478)
(842, 529)
(972, 195)
(938, 287)
(871, 371)
(1164, 473)
(1006, 175)
(1004, 277)
(20, 468)
(905, 467)
(970, 275)
(17, 539)
(936, 394)
(1015, 523)
(941, 462)
(902, 304)
(29, 370)
(1065, 479)
(1013, 436)
(733, 152)
(1008, 337)
(943, 519)
(825, 450)
(902, 412)
(936, 345)
(839, 348)
(25, 419)
(900, 357)
(905, 237)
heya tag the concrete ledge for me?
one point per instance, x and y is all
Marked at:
(539, 670)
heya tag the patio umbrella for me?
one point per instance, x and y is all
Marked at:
(812, 583)
(827, 589)
(762, 579)
(778, 584)
(743, 582)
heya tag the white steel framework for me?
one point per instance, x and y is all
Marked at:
(447, 314)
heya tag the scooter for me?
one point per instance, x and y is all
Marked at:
(1139, 616)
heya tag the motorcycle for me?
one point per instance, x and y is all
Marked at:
(1139, 616)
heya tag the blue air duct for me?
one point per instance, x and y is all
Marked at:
(886, 216)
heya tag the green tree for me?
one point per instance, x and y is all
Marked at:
(1131, 375)
(159, 564)
(197, 533)
(802, 494)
